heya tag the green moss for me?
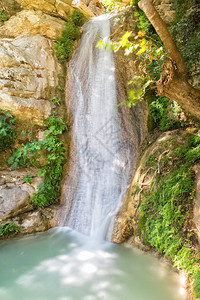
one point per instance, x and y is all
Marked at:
(142, 228)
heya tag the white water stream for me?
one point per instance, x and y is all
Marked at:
(100, 155)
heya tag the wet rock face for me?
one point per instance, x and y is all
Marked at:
(126, 68)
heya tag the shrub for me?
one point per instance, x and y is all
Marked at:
(71, 32)
(7, 130)
(78, 18)
(65, 44)
(64, 49)
(9, 228)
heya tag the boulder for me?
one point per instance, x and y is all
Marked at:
(13, 201)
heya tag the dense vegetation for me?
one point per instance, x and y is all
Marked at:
(52, 150)
(151, 54)
(65, 44)
(166, 208)
(185, 30)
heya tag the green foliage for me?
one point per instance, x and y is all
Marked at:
(143, 23)
(142, 228)
(70, 33)
(56, 101)
(197, 285)
(3, 16)
(51, 170)
(7, 130)
(78, 18)
(9, 228)
(108, 4)
(28, 179)
(167, 208)
(60, 88)
(185, 31)
(64, 49)
(160, 108)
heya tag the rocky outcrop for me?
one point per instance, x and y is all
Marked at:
(33, 22)
(59, 8)
(14, 194)
(28, 77)
(39, 220)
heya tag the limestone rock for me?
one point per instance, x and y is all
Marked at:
(36, 221)
(28, 76)
(63, 9)
(33, 22)
(10, 6)
(44, 5)
(13, 201)
(26, 109)
(14, 194)
(59, 8)
(85, 9)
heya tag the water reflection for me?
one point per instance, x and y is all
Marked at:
(64, 265)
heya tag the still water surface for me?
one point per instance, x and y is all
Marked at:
(62, 264)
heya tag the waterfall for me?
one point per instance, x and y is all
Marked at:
(100, 158)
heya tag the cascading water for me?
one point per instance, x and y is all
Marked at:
(101, 154)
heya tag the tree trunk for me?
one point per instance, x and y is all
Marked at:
(173, 82)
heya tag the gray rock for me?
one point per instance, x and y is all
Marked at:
(13, 201)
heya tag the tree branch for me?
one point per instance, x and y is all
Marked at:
(173, 81)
